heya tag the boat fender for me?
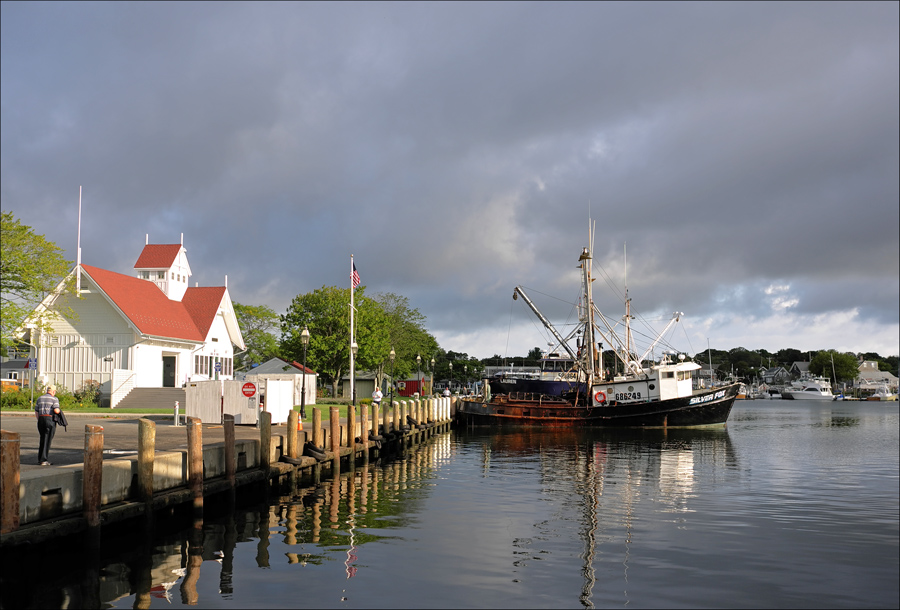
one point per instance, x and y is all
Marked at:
(600, 397)
(412, 420)
(313, 451)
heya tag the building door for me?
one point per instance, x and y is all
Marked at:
(168, 371)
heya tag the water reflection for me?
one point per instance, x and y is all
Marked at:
(605, 475)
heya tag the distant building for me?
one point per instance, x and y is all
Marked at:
(278, 369)
(870, 378)
(800, 370)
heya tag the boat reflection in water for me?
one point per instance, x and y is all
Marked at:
(607, 474)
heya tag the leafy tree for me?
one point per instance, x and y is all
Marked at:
(408, 337)
(846, 366)
(326, 312)
(30, 267)
(787, 357)
(257, 323)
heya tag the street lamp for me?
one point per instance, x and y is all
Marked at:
(432, 375)
(354, 348)
(418, 372)
(304, 339)
(451, 376)
(392, 355)
(466, 370)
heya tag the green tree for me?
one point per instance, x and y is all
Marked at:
(257, 324)
(846, 366)
(326, 312)
(30, 267)
(406, 334)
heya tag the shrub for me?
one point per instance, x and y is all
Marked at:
(14, 399)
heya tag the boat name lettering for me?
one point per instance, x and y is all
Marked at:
(628, 395)
(701, 399)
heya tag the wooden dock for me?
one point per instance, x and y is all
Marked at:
(42, 503)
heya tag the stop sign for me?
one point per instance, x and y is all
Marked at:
(248, 389)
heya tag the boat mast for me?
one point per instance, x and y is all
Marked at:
(589, 345)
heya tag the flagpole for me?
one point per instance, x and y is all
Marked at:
(352, 363)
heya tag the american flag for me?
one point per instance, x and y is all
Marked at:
(354, 277)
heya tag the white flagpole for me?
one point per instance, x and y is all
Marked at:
(352, 363)
(78, 250)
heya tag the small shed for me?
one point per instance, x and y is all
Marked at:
(279, 370)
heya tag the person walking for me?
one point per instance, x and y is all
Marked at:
(44, 409)
(377, 396)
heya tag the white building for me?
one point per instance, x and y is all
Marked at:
(150, 330)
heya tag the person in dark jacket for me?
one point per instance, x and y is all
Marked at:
(44, 409)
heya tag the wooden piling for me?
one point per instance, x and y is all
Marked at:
(265, 439)
(293, 423)
(230, 466)
(318, 439)
(146, 454)
(351, 430)
(395, 411)
(335, 414)
(195, 462)
(92, 481)
(10, 446)
(364, 427)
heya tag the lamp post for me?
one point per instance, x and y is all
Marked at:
(466, 370)
(355, 349)
(392, 355)
(304, 339)
(432, 375)
(451, 376)
(418, 372)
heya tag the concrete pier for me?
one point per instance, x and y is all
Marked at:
(125, 467)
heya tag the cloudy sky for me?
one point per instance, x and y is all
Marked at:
(744, 155)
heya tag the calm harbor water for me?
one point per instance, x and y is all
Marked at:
(795, 504)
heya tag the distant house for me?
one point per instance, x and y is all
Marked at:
(870, 378)
(147, 330)
(776, 375)
(278, 369)
(799, 370)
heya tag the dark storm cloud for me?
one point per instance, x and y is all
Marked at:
(456, 149)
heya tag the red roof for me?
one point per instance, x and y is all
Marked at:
(202, 304)
(303, 369)
(152, 312)
(157, 256)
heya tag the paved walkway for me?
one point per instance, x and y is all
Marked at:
(120, 436)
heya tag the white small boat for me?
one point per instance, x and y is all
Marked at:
(882, 393)
(813, 388)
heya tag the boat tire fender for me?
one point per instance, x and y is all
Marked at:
(313, 451)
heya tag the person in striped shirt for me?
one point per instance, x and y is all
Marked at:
(44, 408)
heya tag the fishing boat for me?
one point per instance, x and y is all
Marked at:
(640, 393)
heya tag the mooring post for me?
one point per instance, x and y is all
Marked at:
(364, 427)
(335, 414)
(351, 430)
(92, 481)
(395, 412)
(374, 419)
(230, 466)
(265, 439)
(195, 463)
(146, 454)
(317, 439)
(9, 480)
(293, 423)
